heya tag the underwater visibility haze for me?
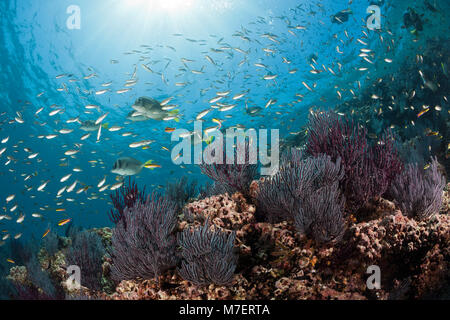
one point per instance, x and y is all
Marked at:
(97, 98)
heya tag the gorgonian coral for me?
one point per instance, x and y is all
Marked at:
(418, 192)
(143, 241)
(321, 214)
(51, 243)
(87, 252)
(207, 255)
(369, 169)
(125, 197)
(306, 190)
(181, 191)
(280, 196)
(236, 175)
(38, 284)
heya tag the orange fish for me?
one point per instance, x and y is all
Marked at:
(421, 113)
(60, 210)
(63, 222)
(169, 130)
(177, 157)
(11, 261)
(46, 233)
(432, 133)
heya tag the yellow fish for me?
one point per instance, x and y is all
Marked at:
(45, 233)
(64, 222)
(152, 166)
(421, 113)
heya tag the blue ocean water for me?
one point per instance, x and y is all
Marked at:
(46, 63)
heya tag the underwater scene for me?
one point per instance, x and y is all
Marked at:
(224, 150)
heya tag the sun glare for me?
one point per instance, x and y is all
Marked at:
(169, 6)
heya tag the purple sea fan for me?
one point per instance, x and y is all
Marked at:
(125, 197)
(207, 255)
(369, 169)
(279, 196)
(386, 156)
(143, 242)
(321, 214)
(338, 138)
(236, 176)
(87, 252)
(418, 192)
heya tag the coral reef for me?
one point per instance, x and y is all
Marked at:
(276, 262)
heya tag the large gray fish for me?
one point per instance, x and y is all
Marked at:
(129, 166)
(152, 109)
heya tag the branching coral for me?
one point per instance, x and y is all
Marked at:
(417, 192)
(207, 255)
(143, 242)
(125, 197)
(87, 252)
